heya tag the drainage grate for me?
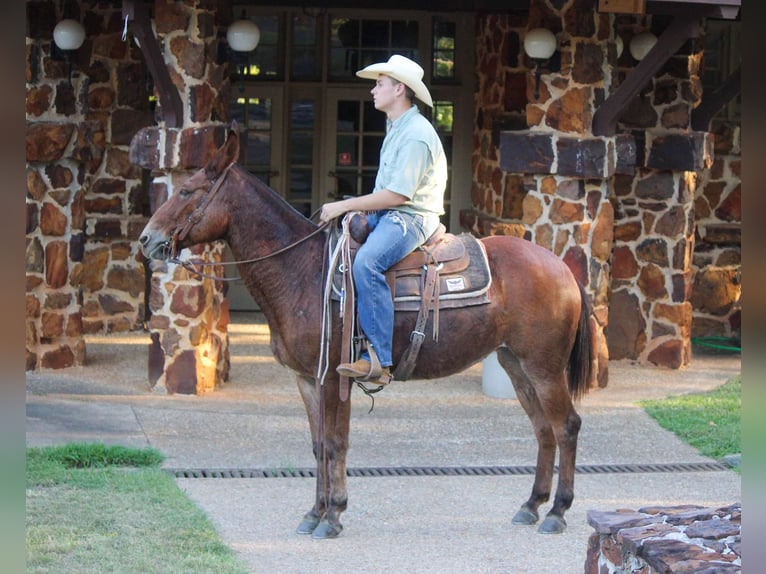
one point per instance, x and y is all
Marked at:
(444, 470)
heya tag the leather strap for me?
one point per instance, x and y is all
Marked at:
(430, 297)
(348, 310)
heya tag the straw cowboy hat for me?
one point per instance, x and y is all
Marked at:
(404, 70)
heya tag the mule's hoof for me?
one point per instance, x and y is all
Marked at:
(526, 517)
(307, 525)
(552, 525)
(325, 530)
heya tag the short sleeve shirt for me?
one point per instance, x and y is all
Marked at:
(413, 163)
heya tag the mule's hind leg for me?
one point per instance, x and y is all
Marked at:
(555, 423)
(546, 442)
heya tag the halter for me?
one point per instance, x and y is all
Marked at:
(196, 216)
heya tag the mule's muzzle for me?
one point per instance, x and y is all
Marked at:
(153, 247)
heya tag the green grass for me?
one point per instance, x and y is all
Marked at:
(710, 422)
(92, 508)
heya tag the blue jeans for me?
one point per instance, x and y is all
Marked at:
(393, 235)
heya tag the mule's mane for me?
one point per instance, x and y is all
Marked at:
(260, 187)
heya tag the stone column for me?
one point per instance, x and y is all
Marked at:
(552, 181)
(189, 351)
(650, 308)
(64, 149)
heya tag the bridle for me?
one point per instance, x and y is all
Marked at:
(180, 233)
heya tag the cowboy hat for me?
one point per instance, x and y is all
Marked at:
(405, 71)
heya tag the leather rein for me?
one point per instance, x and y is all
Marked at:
(195, 217)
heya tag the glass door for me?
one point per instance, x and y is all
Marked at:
(259, 114)
(353, 137)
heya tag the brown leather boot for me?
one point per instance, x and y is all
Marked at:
(361, 369)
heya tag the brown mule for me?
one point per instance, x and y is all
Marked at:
(537, 320)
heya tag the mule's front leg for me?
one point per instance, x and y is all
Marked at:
(329, 419)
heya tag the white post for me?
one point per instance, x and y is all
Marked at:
(495, 382)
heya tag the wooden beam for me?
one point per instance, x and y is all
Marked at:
(171, 106)
(711, 104)
(679, 31)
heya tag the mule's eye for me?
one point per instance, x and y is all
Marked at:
(184, 192)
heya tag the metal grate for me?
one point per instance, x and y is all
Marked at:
(444, 470)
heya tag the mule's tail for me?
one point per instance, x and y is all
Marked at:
(582, 356)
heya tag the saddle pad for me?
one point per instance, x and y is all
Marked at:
(462, 282)
(460, 286)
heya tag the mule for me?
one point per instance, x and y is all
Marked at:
(538, 321)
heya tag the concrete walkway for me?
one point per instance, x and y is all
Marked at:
(446, 524)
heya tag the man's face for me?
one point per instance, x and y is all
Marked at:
(384, 92)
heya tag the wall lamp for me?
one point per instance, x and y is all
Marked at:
(540, 45)
(641, 44)
(242, 37)
(68, 36)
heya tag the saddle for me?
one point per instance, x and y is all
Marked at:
(447, 271)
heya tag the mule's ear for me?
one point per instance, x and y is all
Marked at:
(227, 153)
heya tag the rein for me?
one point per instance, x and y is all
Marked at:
(196, 216)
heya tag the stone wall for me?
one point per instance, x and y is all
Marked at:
(93, 181)
(717, 264)
(539, 173)
(650, 307)
(85, 202)
(189, 350)
(659, 540)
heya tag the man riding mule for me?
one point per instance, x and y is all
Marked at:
(404, 206)
(536, 317)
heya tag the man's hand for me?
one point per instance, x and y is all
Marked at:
(332, 210)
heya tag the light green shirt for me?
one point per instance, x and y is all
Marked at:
(413, 163)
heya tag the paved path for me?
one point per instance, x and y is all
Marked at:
(412, 524)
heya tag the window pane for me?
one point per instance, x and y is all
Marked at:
(443, 67)
(368, 181)
(302, 114)
(305, 52)
(301, 148)
(375, 33)
(374, 120)
(347, 150)
(371, 149)
(348, 116)
(373, 57)
(300, 184)
(404, 35)
(443, 116)
(355, 44)
(264, 60)
(258, 149)
(259, 114)
(347, 184)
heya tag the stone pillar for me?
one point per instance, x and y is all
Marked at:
(551, 184)
(717, 309)
(85, 202)
(55, 240)
(650, 309)
(64, 149)
(189, 352)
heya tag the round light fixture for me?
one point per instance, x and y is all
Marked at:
(69, 34)
(243, 35)
(641, 44)
(539, 43)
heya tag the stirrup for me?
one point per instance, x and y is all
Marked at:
(375, 369)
